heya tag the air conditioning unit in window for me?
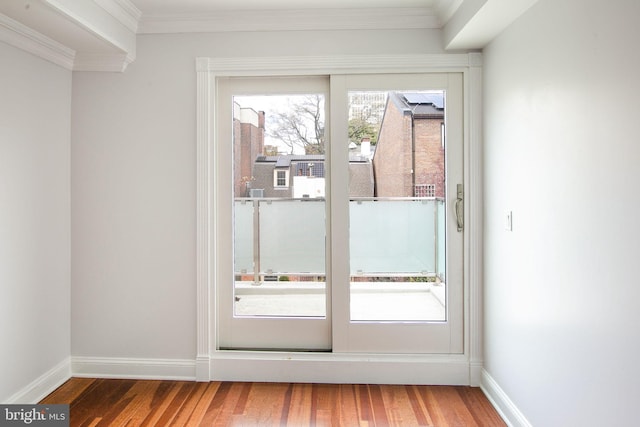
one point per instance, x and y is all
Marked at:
(256, 192)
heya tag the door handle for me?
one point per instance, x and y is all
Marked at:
(459, 207)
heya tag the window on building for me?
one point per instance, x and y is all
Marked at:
(425, 190)
(281, 178)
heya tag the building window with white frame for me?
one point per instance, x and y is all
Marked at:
(280, 178)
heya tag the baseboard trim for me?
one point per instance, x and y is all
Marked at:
(503, 404)
(475, 373)
(130, 368)
(43, 385)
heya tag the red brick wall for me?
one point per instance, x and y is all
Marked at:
(248, 144)
(393, 163)
(392, 159)
(429, 156)
(238, 173)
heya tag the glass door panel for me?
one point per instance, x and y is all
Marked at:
(407, 129)
(276, 297)
(393, 271)
(283, 188)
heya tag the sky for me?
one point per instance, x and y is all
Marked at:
(271, 104)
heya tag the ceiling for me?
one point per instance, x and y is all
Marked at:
(100, 35)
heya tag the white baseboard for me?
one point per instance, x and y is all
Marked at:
(203, 368)
(43, 385)
(475, 373)
(147, 369)
(499, 399)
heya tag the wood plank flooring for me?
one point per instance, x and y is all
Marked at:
(109, 402)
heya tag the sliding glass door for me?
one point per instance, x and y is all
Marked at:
(339, 231)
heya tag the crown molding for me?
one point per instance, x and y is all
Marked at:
(95, 19)
(114, 22)
(292, 20)
(22, 37)
(124, 11)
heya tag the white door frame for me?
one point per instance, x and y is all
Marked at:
(250, 331)
(214, 364)
(397, 337)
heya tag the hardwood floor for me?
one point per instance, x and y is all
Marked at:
(108, 402)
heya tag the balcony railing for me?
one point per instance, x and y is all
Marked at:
(389, 237)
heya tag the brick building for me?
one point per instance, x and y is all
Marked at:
(409, 156)
(302, 176)
(248, 144)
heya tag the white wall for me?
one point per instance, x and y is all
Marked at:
(35, 118)
(561, 151)
(133, 173)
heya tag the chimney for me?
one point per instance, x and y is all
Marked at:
(365, 147)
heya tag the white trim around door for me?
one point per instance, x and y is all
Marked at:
(215, 364)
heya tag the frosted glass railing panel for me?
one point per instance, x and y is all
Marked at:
(392, 237)
(243, 237)
(292, 236)
(442, 238)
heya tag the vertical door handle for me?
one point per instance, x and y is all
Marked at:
(459, 207)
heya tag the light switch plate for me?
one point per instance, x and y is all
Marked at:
(508, 225)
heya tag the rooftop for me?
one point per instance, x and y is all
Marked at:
(421, 104)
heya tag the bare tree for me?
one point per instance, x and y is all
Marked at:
(302, 125)
(360, 128)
